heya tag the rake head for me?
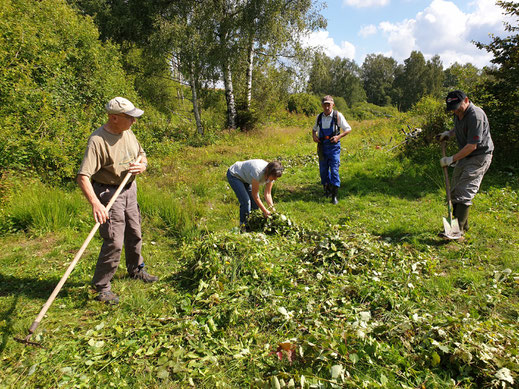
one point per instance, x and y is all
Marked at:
(28, 342)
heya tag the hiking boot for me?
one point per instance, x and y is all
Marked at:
(143, 275)
(108, 298)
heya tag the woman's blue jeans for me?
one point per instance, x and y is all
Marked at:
(244, 193)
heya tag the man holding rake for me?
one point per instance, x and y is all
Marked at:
(111, 153)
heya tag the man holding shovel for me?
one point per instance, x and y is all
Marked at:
(111, 153)
(473, 159)
(327, 134)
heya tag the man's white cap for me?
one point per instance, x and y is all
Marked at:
(121, 105)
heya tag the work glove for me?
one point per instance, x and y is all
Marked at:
(446, 161)
(445, 135)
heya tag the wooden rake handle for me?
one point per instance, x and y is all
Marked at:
(61, 282)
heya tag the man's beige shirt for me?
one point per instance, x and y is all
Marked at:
(108, 156)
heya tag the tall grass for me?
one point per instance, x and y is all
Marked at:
(165, 211)
(38, 209)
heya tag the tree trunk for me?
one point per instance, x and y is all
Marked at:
(196, 109)
(250, 67)
(229, 95)
(180, 90)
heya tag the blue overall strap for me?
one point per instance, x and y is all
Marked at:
(333, 124)
(336, 130)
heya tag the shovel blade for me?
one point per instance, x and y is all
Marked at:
(452, 228)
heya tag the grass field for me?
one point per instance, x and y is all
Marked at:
(359, 295)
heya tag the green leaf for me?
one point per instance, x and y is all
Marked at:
(504, 374)
(336, 371)
(435, 359)
(32, 369)
(162, 373)
(274, 383)
(163, 360)
(444, 348)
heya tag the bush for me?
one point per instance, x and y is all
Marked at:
(341, 104)
(429, 114)
(304, 103)
(56, 79)
(368, 111)
(246, 119)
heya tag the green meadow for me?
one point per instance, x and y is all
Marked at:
(363, 294)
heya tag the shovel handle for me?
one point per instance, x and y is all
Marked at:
(61, 282)
(447, 184)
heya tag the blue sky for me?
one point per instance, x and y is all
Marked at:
(396, 27)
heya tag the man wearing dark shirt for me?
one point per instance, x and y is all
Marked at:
(473, 159)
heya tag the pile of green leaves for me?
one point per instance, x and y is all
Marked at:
(276, 223)
(357, 312)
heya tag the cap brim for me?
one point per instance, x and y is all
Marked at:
(327, 101)
(453, 107)
(136, 112)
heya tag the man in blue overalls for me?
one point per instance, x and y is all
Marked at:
(327, 134)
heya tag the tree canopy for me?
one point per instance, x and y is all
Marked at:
(500, 96)
(56, 78)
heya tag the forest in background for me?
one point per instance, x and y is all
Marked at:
(198, 68)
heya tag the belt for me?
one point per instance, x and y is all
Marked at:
(127, 186)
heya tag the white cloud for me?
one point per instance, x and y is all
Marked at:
(366, 31)
(400, 38)
(443, 29)
(365, 3)
(321, 39)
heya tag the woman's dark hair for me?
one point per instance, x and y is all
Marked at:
(274, 169)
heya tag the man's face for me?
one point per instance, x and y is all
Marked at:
(460, 111)
(327, 108)
(125, 121)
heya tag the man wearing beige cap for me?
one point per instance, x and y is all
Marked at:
(327, 134)
(110, 155)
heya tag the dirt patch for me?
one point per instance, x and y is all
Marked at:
(39, 246)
